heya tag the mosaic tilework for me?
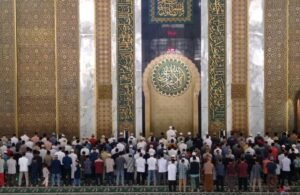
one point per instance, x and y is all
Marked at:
(125, 65)
(36, 65)
(103, 67)
(67, 48)
(239, 65)
(275, 65)
(294, 59)
(217, 65)
(7, 69)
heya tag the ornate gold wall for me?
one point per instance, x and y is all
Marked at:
(47, 64)
(294, 61)
(103, 67)
(67, 51)
(8, 70)
(239, 66)
(282, 81)
(36, 65)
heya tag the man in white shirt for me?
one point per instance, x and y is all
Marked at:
(60, 155)
(63, 141)
(73, 156)
(172, 169)
(182, 146)
(14, 139)
(171, 133)
(43, 152)
(286, 169)
(140, 163)
(23, 169)
(152, 164)
(25, 138)
(162, 170)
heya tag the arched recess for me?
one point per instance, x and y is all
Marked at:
(180, 110)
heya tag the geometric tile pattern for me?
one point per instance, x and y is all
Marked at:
(67, 51)
(7, 69)
(239, 66)
(36, 65)
(103, 67)
(276, 65)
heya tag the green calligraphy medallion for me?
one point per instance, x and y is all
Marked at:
(171, 77)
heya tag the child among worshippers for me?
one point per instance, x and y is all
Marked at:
(45, 175)
(182, 170)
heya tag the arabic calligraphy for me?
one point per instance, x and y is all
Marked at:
(217, 65)
(172, 8)
(171, 77)
(171, 11)
(125, 51)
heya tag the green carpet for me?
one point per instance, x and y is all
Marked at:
(113, 190)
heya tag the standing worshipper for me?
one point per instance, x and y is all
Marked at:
(109, 167)
(77, 174)
(172, 169)
(230, 175)
(152, 164)
(271, 178)
(67, 165)
(120, 162)
(220, 173)
(130, 164)
(194, 172)
(99, 166)
(87, 166)
(208, 169)
(162, 170)
(286, 169)
(255, 176)
(34, 170)
(11, 171)
(23, 169)
(55, 171)
(140, 163)
(243, 174)
(182, 170)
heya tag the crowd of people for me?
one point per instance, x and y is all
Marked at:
(236, 161)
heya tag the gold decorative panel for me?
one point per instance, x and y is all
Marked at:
(103, 67)
(36, 65)
(239, 91)
(239, 66)
(294, 61)
(7, 69)
(276, 65)
(67, 51)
